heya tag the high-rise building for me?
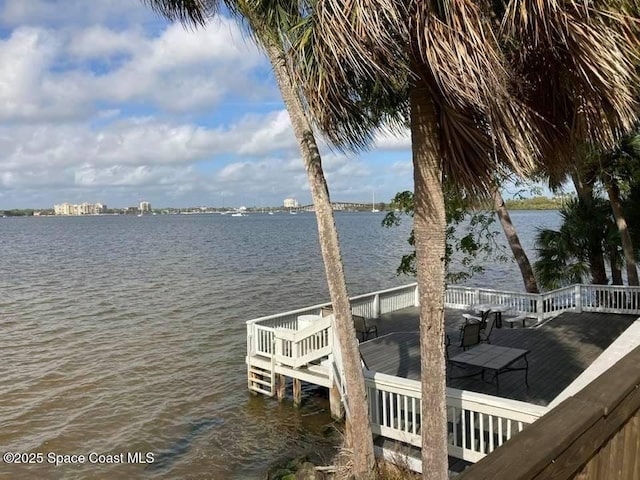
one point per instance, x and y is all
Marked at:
(63, 209)
(290, 203)
(145, 207)
(81, 209)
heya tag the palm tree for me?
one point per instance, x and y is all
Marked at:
(481, 100)
(264, 24)
(563, 254)
(585, 183)
(614, 166)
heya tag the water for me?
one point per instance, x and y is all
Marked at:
(126, 334)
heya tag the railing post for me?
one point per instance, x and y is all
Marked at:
(277, 348)
(416, 302)
(540, 308)
(250, 336)
(376, 306)
(476, 296)
(578, 297)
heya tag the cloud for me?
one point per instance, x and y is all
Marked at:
(100, 42)
(401, 168)
(387, 140)
(73, 12)
(118, 175)
(272, 133)
(107, 101)
(64, 75)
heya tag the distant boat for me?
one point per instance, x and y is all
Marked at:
(291, 212)
(238, 214)
(270, 213)
(373, 204)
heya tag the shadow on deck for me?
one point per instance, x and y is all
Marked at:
(560, 350)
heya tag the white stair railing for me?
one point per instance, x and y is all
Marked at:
(560, 300)
(297, 348)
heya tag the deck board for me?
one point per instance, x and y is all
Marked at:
(560, 350)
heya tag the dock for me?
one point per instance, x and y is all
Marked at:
(566, 331)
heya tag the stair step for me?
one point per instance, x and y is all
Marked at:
(262, 391)
(260, 371)
(261, 382)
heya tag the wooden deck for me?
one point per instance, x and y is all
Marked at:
(559, 351)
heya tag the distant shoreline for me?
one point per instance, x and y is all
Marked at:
(535, 203)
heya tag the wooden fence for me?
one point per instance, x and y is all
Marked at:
(592, 435)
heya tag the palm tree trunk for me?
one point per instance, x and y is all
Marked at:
(514, 242)
(429, 225)
(594, 252)
(359, 427)
(616, 273)
(627, 245)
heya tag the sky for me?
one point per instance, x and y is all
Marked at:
(107, 102)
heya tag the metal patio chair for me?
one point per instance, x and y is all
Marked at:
(363, 330)
(470, 335)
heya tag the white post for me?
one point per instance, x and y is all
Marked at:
(295, 350)
(416, 302)
(540, 308)
(276, 349)
(376, 306)
(578, 298)
(250, 350)
(476, 295)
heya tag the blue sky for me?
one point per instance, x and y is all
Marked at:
(107, 102)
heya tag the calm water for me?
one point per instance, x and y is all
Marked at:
(126, 334)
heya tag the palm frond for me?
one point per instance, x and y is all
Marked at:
(347, 90)
(188, 12)
(349, 52)
(578, 61)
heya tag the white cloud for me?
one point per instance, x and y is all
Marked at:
(98, 42)
(72, 12)
(44, 75)
(272, 133)
(401, 168)
(106, 101)
(90, 176)
(387, 140)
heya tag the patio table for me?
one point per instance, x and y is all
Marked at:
(495, 358)
(486, 309)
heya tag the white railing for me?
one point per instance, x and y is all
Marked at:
(465, 297)
(610, 299)
(576, 298)
(370, 305)
(264, 338)
(560, 300)
(297, 348)
(477, 423)
(337, 369)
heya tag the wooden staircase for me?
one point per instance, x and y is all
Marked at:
(261, 380)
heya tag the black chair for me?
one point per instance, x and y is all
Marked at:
(364, 330)
(485, 331)
(470, 335)
(468, 318)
